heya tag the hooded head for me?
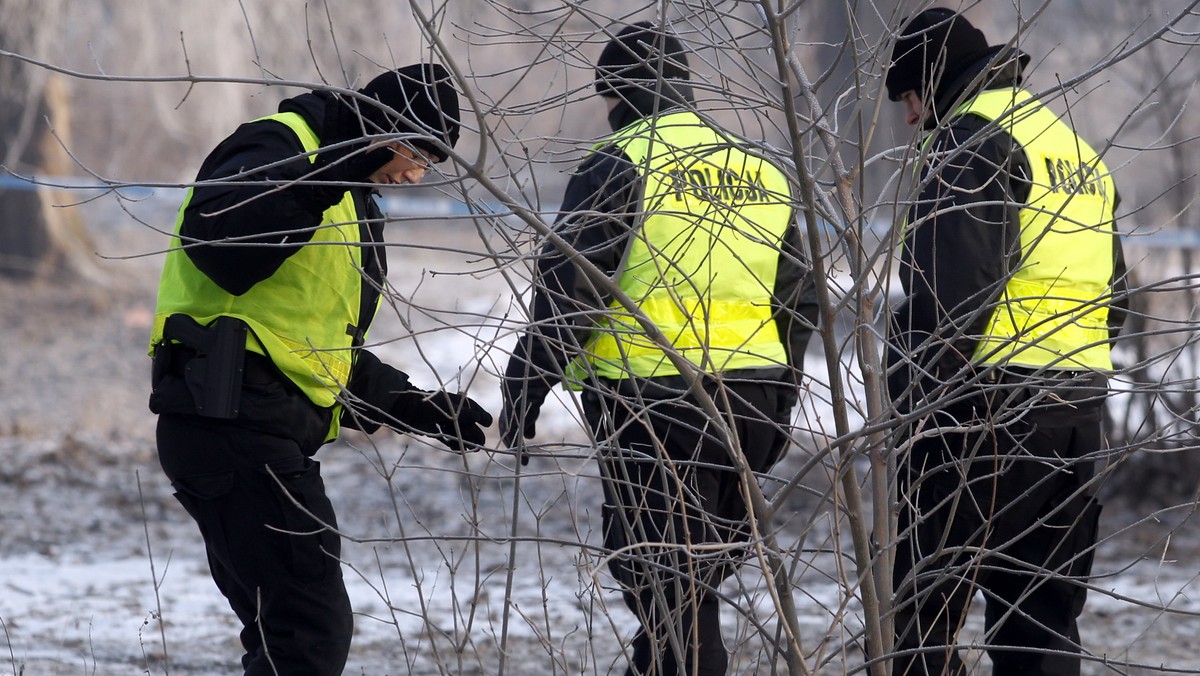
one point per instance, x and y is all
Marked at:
(646, 67)
(934, 49)
(426, 100)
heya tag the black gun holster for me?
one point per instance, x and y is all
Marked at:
(215, 363)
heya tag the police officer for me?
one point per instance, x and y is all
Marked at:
(274, 276)
(1013, 275)
(696, 227)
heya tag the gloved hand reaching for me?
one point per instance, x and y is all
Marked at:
(523, 400)
(450, 417)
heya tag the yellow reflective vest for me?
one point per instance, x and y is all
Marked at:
(299, 316)
(703, 261)
(1053, 312)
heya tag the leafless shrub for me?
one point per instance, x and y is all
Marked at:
(514, 580)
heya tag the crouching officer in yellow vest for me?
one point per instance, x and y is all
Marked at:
(274, 276)
(998, 357)
(696, 227)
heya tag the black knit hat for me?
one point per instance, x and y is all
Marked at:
(423, 94)
(935, 46)
(637, 59)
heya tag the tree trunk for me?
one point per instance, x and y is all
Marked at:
(37, 238)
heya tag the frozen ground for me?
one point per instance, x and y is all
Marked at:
(102, 573)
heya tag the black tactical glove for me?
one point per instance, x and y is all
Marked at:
(523, 399)
(452, 418)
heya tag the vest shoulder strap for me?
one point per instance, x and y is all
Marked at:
(299, 126)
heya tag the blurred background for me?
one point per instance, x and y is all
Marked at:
(108, 107)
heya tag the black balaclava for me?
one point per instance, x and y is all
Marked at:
(934, 48)
(423, 94)
(646, 68)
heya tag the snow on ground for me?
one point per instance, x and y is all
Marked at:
(99, 564)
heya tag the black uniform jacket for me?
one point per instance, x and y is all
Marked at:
(960, 246)
(244, 203)
(599, 216)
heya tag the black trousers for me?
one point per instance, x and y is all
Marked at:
(1004, 509)
(673, 505)
(249, 492)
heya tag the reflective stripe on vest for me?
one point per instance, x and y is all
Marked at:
(1053, 312)
(299, 316)
(702, 264)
